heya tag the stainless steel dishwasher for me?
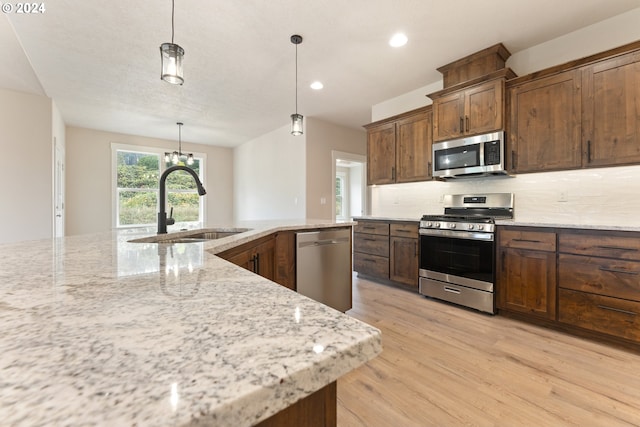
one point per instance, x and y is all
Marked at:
(323, 266)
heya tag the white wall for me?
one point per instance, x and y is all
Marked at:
(604, 196)
(26, 172)
(269, 176)
(322, 139)
(279, 176)
(89, 192)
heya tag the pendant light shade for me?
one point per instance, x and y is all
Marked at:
(171, 56)
(296, 124)
(296, 119)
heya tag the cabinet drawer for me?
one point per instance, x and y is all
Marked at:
(372, 265)
(381, 228)
(533, 240)
(603, 276)
(611, 316)
(601, 245)
(404, 230)
(371, 244)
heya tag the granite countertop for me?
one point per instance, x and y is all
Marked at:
(524, 223)
(381, 218)
(96, 330)
(552, 224)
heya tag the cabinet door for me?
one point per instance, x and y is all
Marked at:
(265, 259)
(404, 261)
(483, 108)
(381, 154)
(413, 148)
(448, 112)
(545, 124)
(526, 282)
(611, 111)
(258, 257)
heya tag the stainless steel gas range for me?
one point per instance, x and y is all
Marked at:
(457, 249)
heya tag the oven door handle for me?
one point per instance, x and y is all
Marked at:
(469, 235)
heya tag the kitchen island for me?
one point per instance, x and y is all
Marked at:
(96, 330)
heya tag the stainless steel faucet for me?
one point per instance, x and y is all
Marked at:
(162, 215)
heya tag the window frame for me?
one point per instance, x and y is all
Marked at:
(116, 147)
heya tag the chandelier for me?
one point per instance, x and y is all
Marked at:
(177, 157)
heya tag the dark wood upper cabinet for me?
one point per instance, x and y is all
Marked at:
(582, 114)
(381, 154)
(544, 130)
(471, 111)
(413, 148)
(399, 148)
(611, 111)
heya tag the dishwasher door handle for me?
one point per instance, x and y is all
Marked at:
(323, 242)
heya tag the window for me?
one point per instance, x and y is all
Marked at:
(182, 194)
(137, 175)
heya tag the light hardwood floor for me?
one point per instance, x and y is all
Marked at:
(447, 366)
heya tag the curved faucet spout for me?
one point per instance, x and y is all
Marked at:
(162, 215)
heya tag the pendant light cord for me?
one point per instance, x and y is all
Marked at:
(173, 10)
(180, 138)
(296, 78)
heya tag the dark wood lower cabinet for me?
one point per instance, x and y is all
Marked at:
(316, 410)
(612, 316)
(526, 272)
(403, 256)
(387, 251)
(257, 256)
(582, 281)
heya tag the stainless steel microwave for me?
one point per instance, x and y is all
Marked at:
(480, 155)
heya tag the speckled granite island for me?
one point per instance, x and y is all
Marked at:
(95, 330)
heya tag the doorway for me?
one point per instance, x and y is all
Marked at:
(58, 189)
(349, 191)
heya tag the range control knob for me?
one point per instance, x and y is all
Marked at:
(429, 224)
(470, 226)
(480, 227)
(437, 225)
(452, 225)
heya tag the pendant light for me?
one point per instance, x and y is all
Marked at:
(176, 156)
(171, 56)
(296, 119)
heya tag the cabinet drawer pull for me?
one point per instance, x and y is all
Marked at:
(617, 248)
(614, 270)
(466, 118)
(588, 151)
(461, 125)
(527, 240)
(368, 227)
(369, 239)
(452, 290)
(617, 310)
(368, 260)
(404, 231)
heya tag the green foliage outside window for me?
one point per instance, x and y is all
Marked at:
(138, 177)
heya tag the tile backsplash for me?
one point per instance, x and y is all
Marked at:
(602, 196)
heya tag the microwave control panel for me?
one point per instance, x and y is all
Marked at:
(492, 153)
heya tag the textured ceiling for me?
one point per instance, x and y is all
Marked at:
(100, 60)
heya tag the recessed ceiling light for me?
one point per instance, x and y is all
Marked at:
(317, 85)
(398, 40)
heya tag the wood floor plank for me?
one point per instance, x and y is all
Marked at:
(443, 365)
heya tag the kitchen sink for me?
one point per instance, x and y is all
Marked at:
(193, 236)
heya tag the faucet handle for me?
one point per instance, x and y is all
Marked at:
(170, 220)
